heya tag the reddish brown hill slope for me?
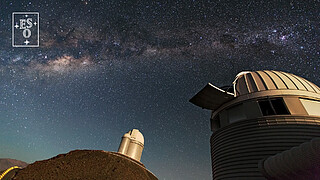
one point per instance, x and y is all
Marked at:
(7, 163)
(86, 164)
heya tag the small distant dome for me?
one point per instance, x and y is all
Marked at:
(137, 135)
(132, 144)
(250, 82)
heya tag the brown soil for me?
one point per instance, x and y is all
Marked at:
(86, 164)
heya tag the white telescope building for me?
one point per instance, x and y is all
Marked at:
(265, 126)
(132, 144)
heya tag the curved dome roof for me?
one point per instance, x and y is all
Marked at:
(135, 134)
(250, 82)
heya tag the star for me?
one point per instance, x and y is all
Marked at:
(26, 42)
(283, 38)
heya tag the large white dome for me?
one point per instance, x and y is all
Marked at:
(250, 82)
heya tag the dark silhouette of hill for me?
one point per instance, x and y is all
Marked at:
(86, 164)
(6, 163)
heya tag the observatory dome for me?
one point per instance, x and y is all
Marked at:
(251, 82)
(132, 144)
(266, 113)
(256, 84)
(136, 135)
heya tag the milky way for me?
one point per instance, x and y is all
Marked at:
(105, 67)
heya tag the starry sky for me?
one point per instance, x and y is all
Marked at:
(106, 67)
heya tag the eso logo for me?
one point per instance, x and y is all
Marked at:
(25, 29)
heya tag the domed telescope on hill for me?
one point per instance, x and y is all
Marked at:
(132, 144)
(267, 126)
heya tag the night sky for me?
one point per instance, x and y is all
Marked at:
(106, 67)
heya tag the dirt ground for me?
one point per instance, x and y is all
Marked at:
(86, 164)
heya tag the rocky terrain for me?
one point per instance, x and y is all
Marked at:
(86, 164)
(7, 163)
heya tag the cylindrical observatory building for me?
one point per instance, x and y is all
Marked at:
(264, 127)
(132, 144)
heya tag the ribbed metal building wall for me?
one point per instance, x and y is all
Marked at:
(237, 148)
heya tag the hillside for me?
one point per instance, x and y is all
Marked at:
(6, 163)
(86, 164)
